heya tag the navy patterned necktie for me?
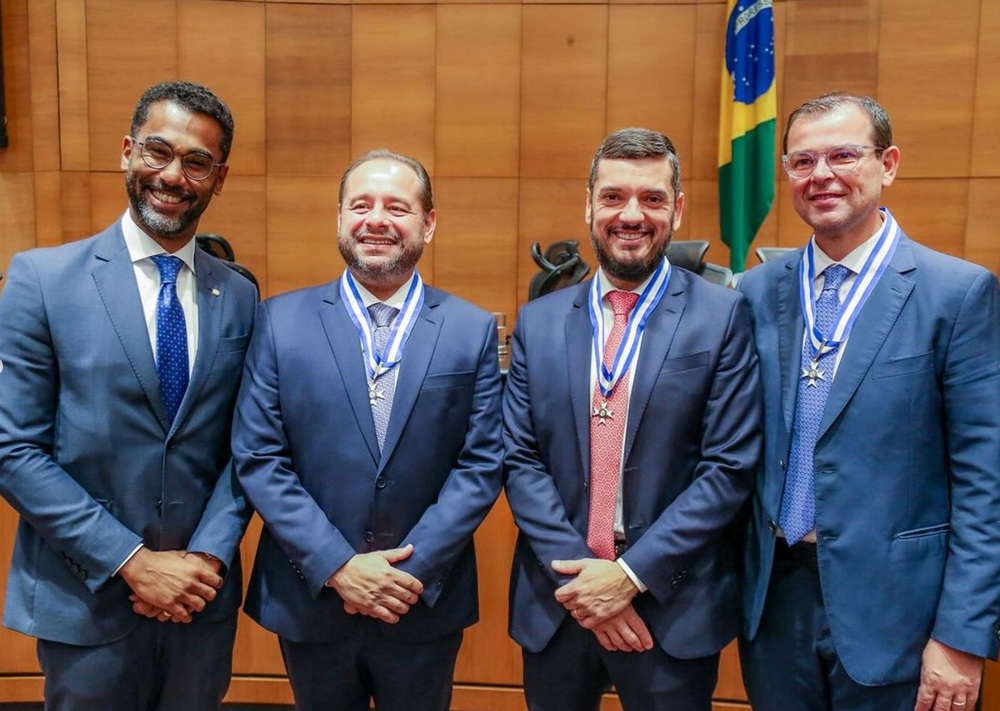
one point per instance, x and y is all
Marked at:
(380, 390)
(798, 503)
(171, 336)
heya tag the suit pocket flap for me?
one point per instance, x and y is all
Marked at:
(904, 365)
(688, 362)
(449, 380)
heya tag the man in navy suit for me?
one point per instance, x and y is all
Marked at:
(873, 558)
(367, 436)
(114, 448)
(632, 430)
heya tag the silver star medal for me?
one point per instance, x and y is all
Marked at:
(603, 413)
(813, 373)
(374, 393)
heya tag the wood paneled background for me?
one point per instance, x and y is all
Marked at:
(504, 103)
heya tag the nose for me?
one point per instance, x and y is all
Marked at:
(631, 211)
(172, 173)
(377, 215)
(822, 170)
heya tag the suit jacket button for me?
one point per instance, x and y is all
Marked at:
(369, 536)
(380, 482)
(773, 526)
(159, 508)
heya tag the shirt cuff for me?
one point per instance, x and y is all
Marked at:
(127, 559)
(632, 576)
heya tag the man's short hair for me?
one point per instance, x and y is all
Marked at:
(634, 144)
(426, 191)
(877, 115)
(191, 97)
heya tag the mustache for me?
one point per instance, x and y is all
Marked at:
(176, 192)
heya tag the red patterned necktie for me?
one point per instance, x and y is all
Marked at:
(607, 432)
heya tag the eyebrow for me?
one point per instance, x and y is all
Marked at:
(160, 139)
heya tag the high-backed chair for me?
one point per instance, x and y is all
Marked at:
(717, 274)
(767, 253)
(688, 254)
(218, 246)
(561, 266)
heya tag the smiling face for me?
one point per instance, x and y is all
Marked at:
(165, 203)
(632, 212)
(382, 227)
(841, 208)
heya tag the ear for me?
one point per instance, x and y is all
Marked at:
(890, 164)
(127, 144)
(220, 179)
(430, 224)
(678, 210)
(588, 211)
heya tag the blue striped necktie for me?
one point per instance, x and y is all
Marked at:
(171, 336)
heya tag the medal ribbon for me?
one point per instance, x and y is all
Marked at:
(379, 363)
(650, 297)
(862, 288)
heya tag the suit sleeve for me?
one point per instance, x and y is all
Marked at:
(227, 514)
(46, 496)
(264, 468)
(445, 528)
(969, 607)
(723, 479)
(534, 500)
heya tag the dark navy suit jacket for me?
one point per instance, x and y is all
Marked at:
(691, 447)
(907, 461)
(307, 455)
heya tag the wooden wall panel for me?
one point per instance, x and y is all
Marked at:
(76, 205)
(475, 253)
(257, 652)
(74, 101)
(301, 233)
(44, 84)
(929, 93)
(240, 215)
(564, 68)
(122, 62)
(19, 154)
(48, 212)
(308, 90)
(650, 81)
(219, 45)
(478, 90)
(986, 119)
(702, 163)
(933, 212)
(828, 47)
(392, 92)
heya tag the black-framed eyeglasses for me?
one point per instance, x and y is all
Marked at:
(842, 159)
(158, 155)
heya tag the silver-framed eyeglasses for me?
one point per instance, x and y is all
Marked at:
(158, 155)
(842, 159)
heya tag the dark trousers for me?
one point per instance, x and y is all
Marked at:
(346, 675)
(572, 672)
(159, 666)
(792, 665)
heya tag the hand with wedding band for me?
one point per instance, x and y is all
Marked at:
(949, 678)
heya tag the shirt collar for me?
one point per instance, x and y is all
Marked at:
(607, 286)
(396, 300)
(855, 260)
(142, 246)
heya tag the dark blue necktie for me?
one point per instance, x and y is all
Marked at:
(171, 336)
(381, 390)
(798, 503)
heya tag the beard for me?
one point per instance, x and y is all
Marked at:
(382, 273)
(155, 222)
(633, 271)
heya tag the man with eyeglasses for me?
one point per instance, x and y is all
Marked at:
(120, 357)
(873, 552)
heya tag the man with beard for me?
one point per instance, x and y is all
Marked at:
(631, 429)
(120, 364)
(367, 436)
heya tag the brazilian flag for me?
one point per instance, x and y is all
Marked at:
(746, 126)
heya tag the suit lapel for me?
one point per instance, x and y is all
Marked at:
(790, 333)
(656, 339)
(342, 335)
(870, 330)
(114, 276)
(413, 368)
(579, 347)
(211, 298)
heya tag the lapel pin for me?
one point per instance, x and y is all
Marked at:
(215, 291)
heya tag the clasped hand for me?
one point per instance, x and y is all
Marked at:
(171, 585)
(370, 585)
